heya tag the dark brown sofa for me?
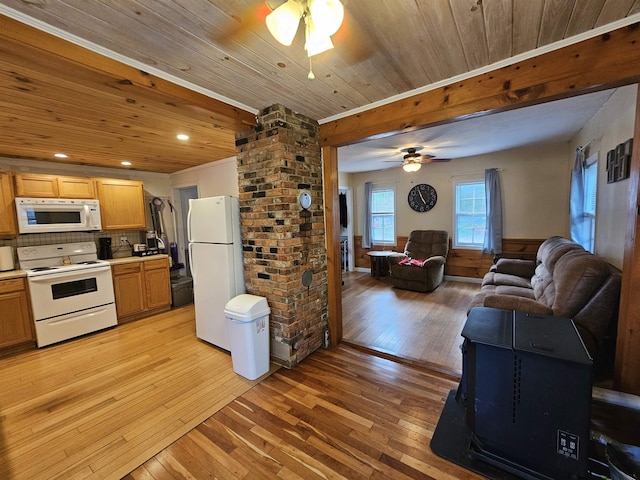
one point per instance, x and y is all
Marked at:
(421, 267)
(565, 281)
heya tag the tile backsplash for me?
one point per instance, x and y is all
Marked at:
(119, 250)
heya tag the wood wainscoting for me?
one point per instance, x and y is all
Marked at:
(460, 262)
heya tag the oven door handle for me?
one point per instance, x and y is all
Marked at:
(87, 272)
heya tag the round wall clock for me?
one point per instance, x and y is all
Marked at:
(422, 197)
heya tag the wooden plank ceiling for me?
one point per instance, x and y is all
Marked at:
(55, 96)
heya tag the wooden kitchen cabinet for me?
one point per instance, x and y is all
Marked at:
(157, 283)
(128, 288)
(121, 204)
(142, 288)
(8, 223)
(16, 324)
(76, 187)
(52, 186)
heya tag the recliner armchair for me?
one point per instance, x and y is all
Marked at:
(421, 267)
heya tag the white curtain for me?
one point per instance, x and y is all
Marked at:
(580, 226)
(366, 223)
(493, 197)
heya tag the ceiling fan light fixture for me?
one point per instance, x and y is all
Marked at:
(283, 21)
(327, 15)
(316, 41)
(411, 167)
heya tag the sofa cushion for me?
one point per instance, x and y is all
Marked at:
(494, 278)
(577, 277)
(515, 266)
(552, 249)
(512, 302)
(512, 281)
(524, 292)
(488, 278)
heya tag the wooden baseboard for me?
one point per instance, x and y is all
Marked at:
(460, 262)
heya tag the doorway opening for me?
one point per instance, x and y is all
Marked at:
(182, 196)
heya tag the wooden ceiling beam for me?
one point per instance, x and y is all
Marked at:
(612, 59)
(223, 114)
(603, 62)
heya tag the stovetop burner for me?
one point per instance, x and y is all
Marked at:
(59, 259)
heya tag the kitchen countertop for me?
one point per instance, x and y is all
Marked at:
(12, 274)
(8, 275)
(117, 261)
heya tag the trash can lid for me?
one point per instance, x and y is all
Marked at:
(247, 307)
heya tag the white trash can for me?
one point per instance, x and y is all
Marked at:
(248, 324)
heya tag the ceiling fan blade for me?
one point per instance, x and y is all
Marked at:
(351, 42)
(238, 25)
(434, 160)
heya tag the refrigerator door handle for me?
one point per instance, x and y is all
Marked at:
(192, 265)
(189, 228)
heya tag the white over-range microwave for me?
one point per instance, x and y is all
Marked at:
(49, 215)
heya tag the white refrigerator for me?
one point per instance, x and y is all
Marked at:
(215, 254)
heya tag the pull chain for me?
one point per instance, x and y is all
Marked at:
(311, 76)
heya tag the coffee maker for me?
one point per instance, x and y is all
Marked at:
(154, 243)
(104, 252)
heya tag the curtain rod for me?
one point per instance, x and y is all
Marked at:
(593, 140)
(475, 173)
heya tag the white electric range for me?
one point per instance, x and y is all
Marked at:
(71, 290)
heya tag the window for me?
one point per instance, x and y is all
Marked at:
(383, 216)
(470, 216)
(589, 206)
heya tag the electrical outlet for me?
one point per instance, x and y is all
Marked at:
(124, 240)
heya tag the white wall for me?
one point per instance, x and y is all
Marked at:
(212, 179)
(534, 182)
(612, 125)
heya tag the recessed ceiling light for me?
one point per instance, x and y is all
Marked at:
(125, 163)
(182, 136)
(60, 155)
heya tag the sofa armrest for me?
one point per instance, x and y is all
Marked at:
(512, 302)
(434, 261)
(515, 266)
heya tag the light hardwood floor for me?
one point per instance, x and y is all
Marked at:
(147, 400)
(419, 328)
(340, 414)
(99, 406)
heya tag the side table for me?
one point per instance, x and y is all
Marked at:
(378, 260)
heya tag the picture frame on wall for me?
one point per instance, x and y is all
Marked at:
(611, 166)
(623, 155)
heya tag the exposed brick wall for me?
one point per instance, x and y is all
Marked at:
(276, 161)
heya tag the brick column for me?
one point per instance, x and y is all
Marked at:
(282, 242)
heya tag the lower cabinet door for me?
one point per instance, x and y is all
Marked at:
(129, 293)
(15, 322)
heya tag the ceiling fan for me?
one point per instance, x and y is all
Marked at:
(412, 161)
(322, 18)
(325, 22)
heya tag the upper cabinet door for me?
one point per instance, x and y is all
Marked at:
(36, 185)
(121, 204)
(52, 186)
(8, 224)
(76, 187)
